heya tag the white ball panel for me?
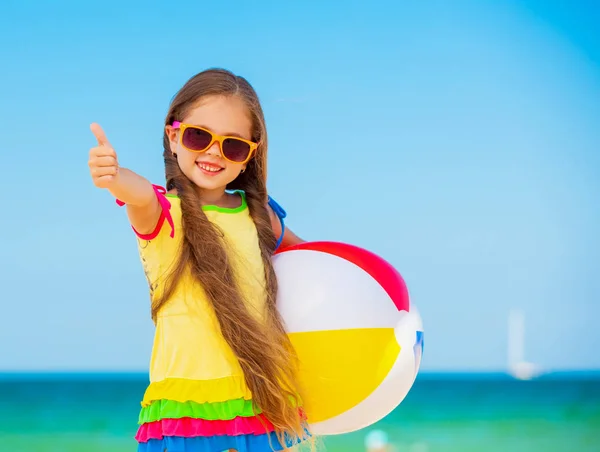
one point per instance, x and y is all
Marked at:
(320, 291)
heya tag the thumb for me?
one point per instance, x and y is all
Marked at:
(99, 134)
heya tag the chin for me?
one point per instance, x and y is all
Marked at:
(210, 182)
(208, 185)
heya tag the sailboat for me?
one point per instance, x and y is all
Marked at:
(517, 366)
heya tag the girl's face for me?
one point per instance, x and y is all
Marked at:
(222, 115)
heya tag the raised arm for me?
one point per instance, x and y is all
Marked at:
(136, 192)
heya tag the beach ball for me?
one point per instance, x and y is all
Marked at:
(358, 337)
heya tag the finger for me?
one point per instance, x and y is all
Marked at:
(103, 181)
(104, 171)
(102, 151)
(99, 134)
(103, 161)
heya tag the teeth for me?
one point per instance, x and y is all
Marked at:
(212, 169)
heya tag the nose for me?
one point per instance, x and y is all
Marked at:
(214, 150)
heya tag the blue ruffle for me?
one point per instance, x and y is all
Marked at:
(241, 443)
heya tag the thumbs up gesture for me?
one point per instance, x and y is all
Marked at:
(104, 167)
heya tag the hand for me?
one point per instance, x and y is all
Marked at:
(104, 167)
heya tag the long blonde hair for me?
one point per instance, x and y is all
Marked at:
(263, 350)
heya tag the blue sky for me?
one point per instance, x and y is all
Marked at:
(459, 140)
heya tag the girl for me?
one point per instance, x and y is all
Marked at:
(222, 371)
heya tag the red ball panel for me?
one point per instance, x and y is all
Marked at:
(382, 271)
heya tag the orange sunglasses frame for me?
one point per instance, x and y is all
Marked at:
(218, 138)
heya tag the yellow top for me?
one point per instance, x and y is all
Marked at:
(190, 359)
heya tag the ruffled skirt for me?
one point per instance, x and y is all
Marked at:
(186, 419)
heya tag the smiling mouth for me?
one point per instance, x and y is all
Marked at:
(209, 167)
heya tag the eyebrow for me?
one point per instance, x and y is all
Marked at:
(230, 134)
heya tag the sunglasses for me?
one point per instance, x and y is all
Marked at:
(198, 139)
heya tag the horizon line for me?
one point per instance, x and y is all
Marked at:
(6, 375)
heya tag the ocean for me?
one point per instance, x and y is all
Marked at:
(442, 413)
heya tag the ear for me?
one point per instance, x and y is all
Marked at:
(172, 136)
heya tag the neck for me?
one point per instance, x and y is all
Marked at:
(215, 197)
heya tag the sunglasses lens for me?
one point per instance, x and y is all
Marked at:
(196, 139)
(235, 150)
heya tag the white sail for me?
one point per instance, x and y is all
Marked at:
(518, 367)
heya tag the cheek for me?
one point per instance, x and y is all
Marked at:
(185, 158)
(233, 169)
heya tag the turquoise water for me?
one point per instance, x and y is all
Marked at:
(442, 413)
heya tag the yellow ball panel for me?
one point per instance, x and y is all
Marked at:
(340, 368)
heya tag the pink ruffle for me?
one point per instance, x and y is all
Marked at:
(190, 427)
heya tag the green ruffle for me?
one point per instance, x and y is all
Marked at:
(171, 409)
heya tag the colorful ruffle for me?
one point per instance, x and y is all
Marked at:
(199, 391)
(188, 427)
(242, 443)
(171, 409)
